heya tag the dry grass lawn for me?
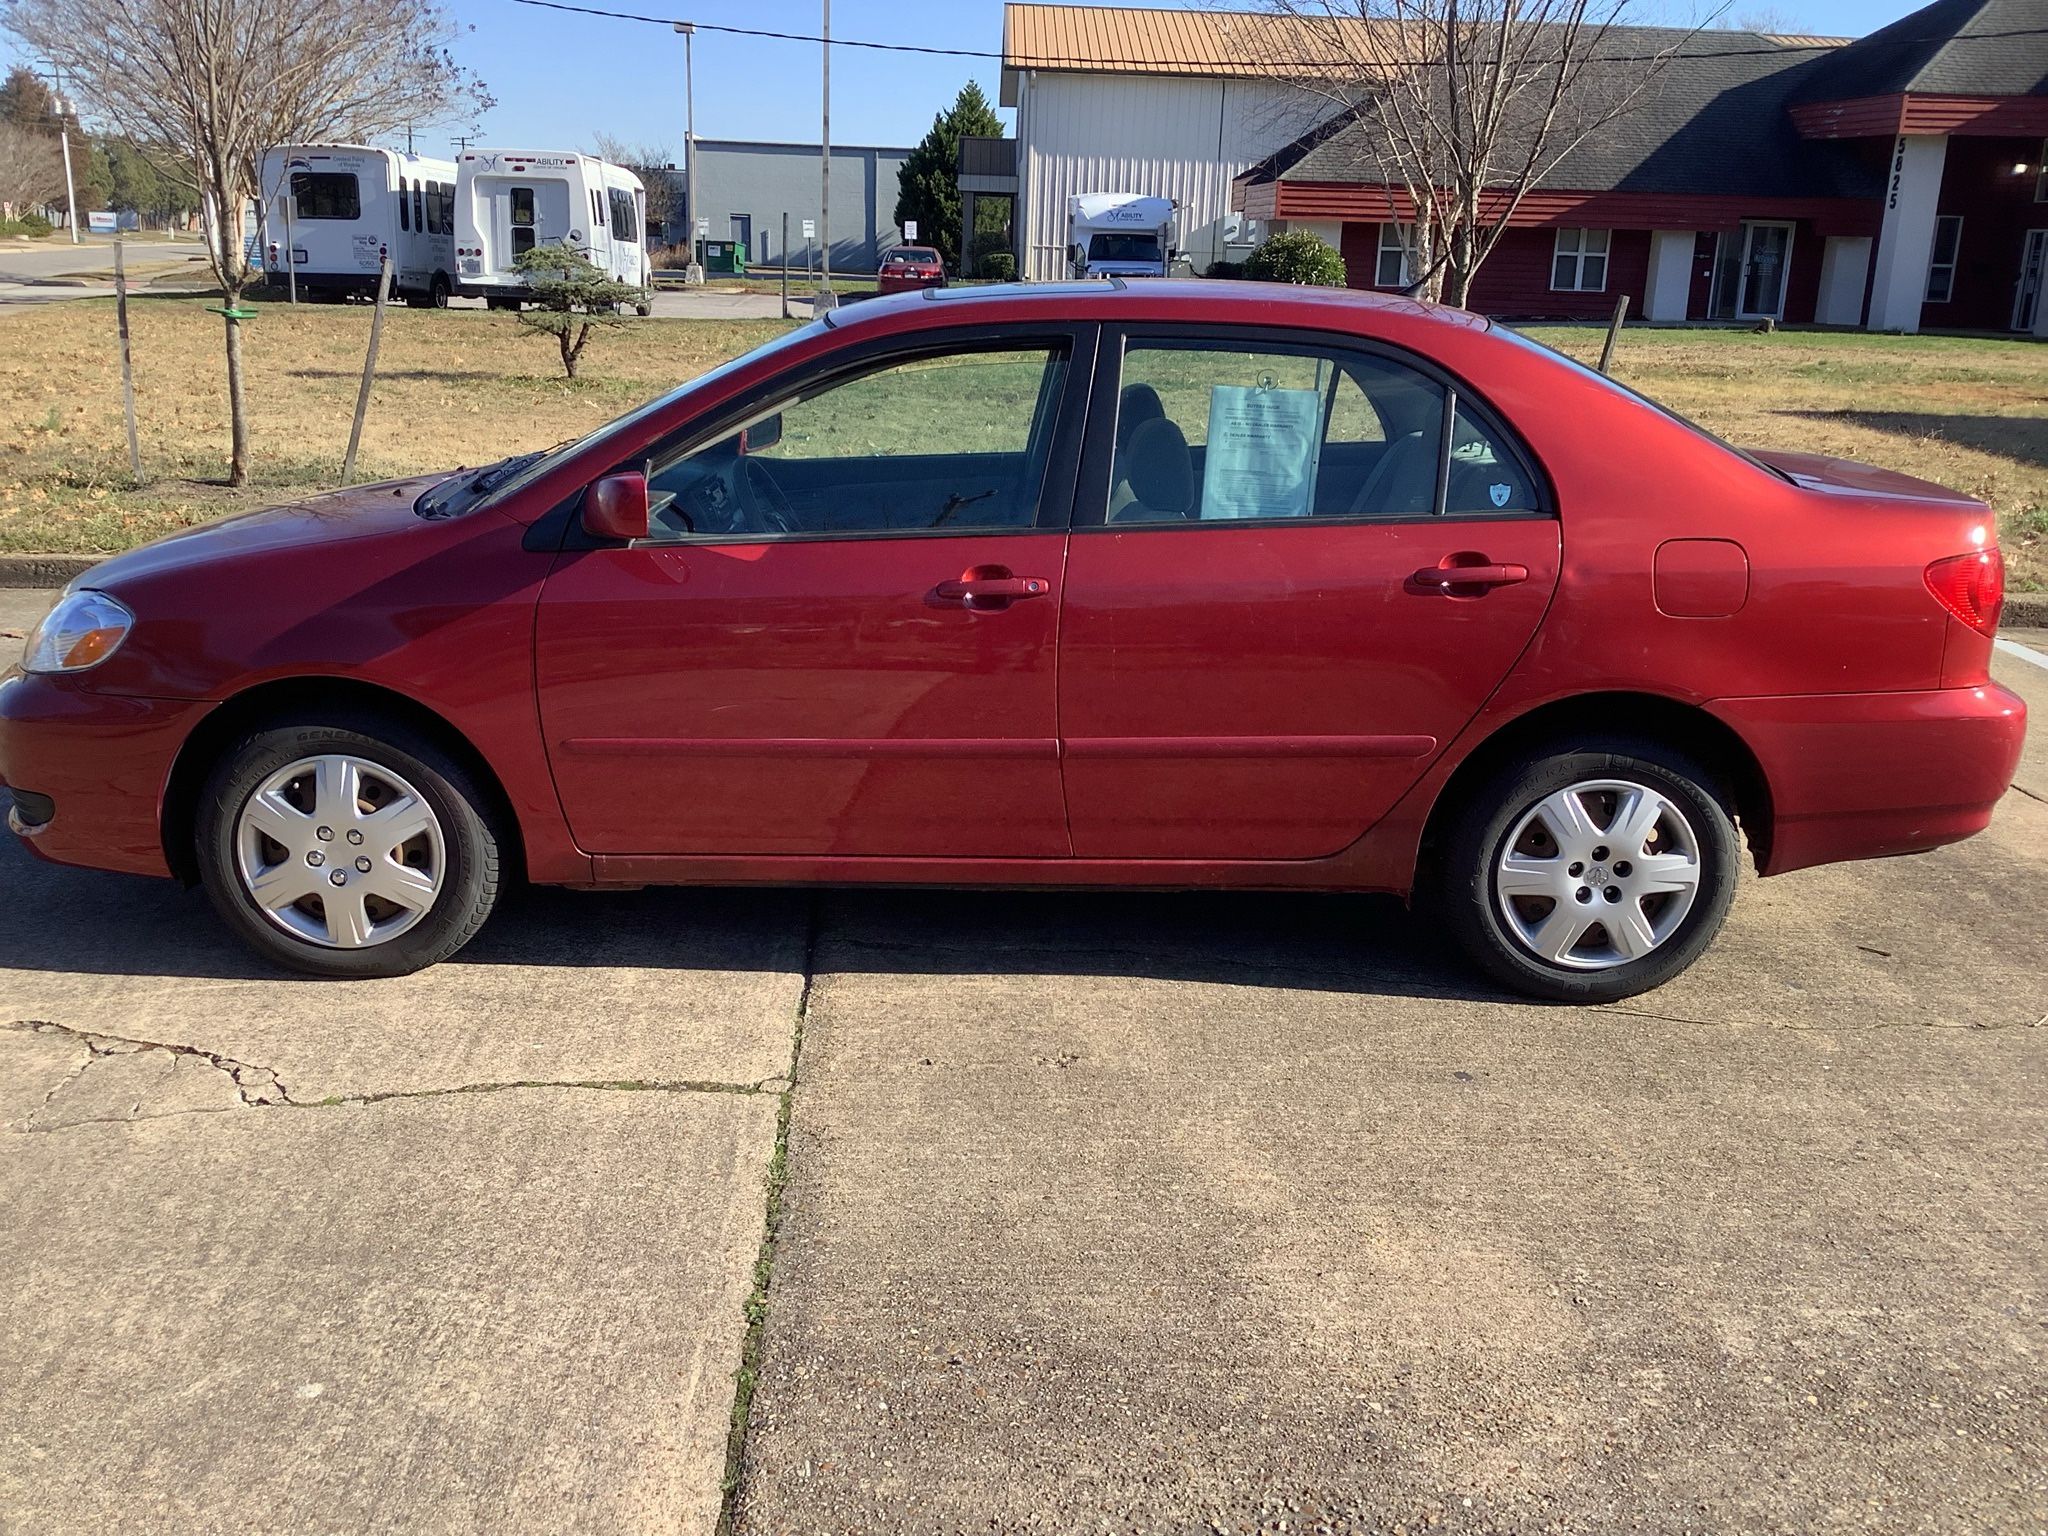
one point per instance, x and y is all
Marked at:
(461, 386)
(454, 387)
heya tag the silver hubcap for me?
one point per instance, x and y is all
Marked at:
(340, 851)
(1597, 874)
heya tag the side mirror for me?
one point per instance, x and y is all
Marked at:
(765, 433)
(616, 507)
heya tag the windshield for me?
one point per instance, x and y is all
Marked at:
(496, 483)
(1636, 395)
(1122, 246)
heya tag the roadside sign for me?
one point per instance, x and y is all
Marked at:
(703, 228)
(810, 229)
(910, 229)
(102, 223)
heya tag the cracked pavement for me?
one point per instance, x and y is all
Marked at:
(1147, 1213)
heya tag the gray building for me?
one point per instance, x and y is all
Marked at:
(744, 187)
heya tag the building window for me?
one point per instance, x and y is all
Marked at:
(1396, 243)
(1941, 265)
(1579, 262)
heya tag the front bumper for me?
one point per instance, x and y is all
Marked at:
(1865, 775)
(104, 760)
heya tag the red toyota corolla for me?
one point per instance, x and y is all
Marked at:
(1186, 584)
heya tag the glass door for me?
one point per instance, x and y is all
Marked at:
(2026, 302)
(1766, 259)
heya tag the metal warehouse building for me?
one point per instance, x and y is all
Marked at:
(744, 187)
(1155, 102)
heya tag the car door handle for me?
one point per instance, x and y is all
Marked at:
(1445, 577)
(990, 591)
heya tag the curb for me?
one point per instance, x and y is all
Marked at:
(44, 570)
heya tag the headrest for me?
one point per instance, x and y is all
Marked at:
(1138, 404)
(1159, 469)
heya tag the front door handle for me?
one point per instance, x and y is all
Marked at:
(1452, 573)
(990, 589)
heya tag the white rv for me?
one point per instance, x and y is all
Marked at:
(332, 211)
(509, 201)
(1120, 234)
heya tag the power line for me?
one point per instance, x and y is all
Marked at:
(1050, 61)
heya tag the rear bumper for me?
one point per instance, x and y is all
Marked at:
(102, 760)
(1865, 775)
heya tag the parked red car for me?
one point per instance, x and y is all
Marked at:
(1185, 584)
(906, 268)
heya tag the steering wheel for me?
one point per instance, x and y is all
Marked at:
(767, 508)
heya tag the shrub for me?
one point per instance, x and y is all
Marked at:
(33, 225)
(1296, 257)
(1224, 269)
(568, 297)
(997, 266)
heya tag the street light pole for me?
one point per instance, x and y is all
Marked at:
(825, 298)
(693, 269)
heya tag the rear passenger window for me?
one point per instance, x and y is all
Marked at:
(1208, 433)
(1486, 475)
(404, 217)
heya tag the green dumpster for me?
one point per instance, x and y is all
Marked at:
(725, 256)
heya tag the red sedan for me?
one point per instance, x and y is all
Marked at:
(1186, 584)
(906, 268)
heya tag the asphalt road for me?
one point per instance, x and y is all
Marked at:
(1135, 1213)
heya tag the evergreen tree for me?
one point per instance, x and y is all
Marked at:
(26, 102)
(929, 183)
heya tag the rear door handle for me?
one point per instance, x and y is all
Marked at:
(1448, 577)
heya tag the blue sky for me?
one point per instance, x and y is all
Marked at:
(558, 78)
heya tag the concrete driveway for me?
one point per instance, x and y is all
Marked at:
(1135, 1213)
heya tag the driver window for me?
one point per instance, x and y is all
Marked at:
(943, 442)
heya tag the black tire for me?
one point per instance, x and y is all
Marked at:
(471, 878)
(1462, 887)
(437, 292)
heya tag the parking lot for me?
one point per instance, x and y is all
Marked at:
(1121, 1212)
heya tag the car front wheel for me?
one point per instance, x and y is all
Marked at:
(346, 848)
(1588, 875)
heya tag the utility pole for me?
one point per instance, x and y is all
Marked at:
(693, 269)
(64, 114)
(66, 110)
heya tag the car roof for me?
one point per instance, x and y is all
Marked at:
(1194, 299)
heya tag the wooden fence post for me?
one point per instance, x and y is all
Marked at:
(1613, 330)
(127, 365)
(355, 433)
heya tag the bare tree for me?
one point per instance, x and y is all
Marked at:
(214, 83)
(31, 169)
(655, 167)
(1466, 105)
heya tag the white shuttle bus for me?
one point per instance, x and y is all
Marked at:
(1121, 234)
(332, 211)
(509, 201)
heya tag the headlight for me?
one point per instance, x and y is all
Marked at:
(82, 631)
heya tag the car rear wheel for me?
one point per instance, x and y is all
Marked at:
(346, 848)
(1590, 874)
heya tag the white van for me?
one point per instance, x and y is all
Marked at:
(508, 201)
(333, 210)
(1121, 234)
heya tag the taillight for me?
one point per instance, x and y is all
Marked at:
(1972, 587)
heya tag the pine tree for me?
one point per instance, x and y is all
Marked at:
(929, 183)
